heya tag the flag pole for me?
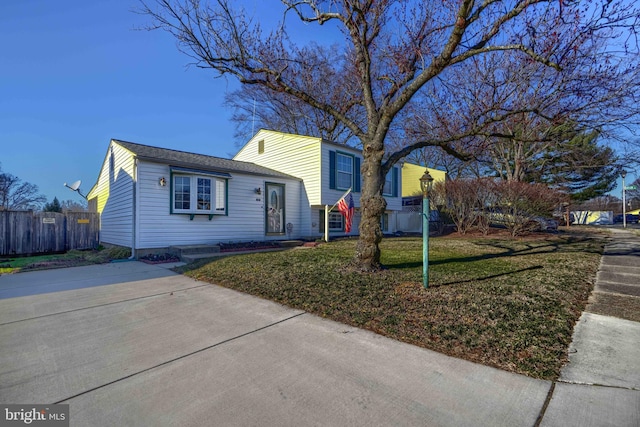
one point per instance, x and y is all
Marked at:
(326, 222)
(343, 196)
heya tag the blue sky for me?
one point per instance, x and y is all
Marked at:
(77, 73)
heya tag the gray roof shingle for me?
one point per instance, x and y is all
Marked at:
(198, 161)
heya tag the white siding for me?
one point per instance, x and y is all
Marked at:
(395, 203)
(308, 158)
(245, 221)
(315, 230)
(329, 196)
(114, 196)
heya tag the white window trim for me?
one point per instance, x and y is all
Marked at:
(336, 215)
(384, 221)
(338, 171)
(388, 178)
(216, 198)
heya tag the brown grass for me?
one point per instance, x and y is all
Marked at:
(511, 304)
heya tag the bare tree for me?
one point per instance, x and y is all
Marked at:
(18, 195)
(522, 118)
(392, 51)
(601, 203)
(73, 206)
(466, 202)
(257, 107)
(522, 205)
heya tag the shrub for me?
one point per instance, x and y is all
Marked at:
(522, 205)
(482, 202)
(118, 252)
(467, 201)
(460, 202)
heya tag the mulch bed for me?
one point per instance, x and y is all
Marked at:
(159, 258)
(247, 246)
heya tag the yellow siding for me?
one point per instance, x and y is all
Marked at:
(411, 175)
(296, 155)
(113, 196)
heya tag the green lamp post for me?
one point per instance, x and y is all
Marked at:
(426, 182)
(623, 174)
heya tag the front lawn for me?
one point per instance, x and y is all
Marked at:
(511, 304)
(73, 258)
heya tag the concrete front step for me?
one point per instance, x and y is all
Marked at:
(193, 249)
(190, 253)
(195, 257)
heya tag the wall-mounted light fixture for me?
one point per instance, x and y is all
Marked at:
(163, 182)
(258, 190)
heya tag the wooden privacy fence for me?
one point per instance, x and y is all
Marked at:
(28, 232)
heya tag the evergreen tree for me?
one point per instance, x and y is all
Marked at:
(579, 166)
(54, 206)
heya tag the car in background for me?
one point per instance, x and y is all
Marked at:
(631, 219)
(498, 218)
(546, 224)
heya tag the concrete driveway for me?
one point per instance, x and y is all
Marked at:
(131, 344)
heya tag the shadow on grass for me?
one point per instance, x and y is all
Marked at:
(493, 276)
(548, 247)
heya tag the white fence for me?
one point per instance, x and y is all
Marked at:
(410, 221)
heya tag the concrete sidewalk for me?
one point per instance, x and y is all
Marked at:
(137, 349)
(601, 383)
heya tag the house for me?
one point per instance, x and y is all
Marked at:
(327, 171)
(151, 198)
(411, 174)
(275, 188)
(410, 219)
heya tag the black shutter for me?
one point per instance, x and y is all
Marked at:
(356, 175)
(394, 182)
(332, 170)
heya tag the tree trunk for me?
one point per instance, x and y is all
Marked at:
(372, 206)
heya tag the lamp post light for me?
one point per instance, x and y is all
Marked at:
(623, 174)
(426, 182)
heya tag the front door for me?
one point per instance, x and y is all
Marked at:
(275, 208)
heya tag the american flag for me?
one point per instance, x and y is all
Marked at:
(346, 208)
